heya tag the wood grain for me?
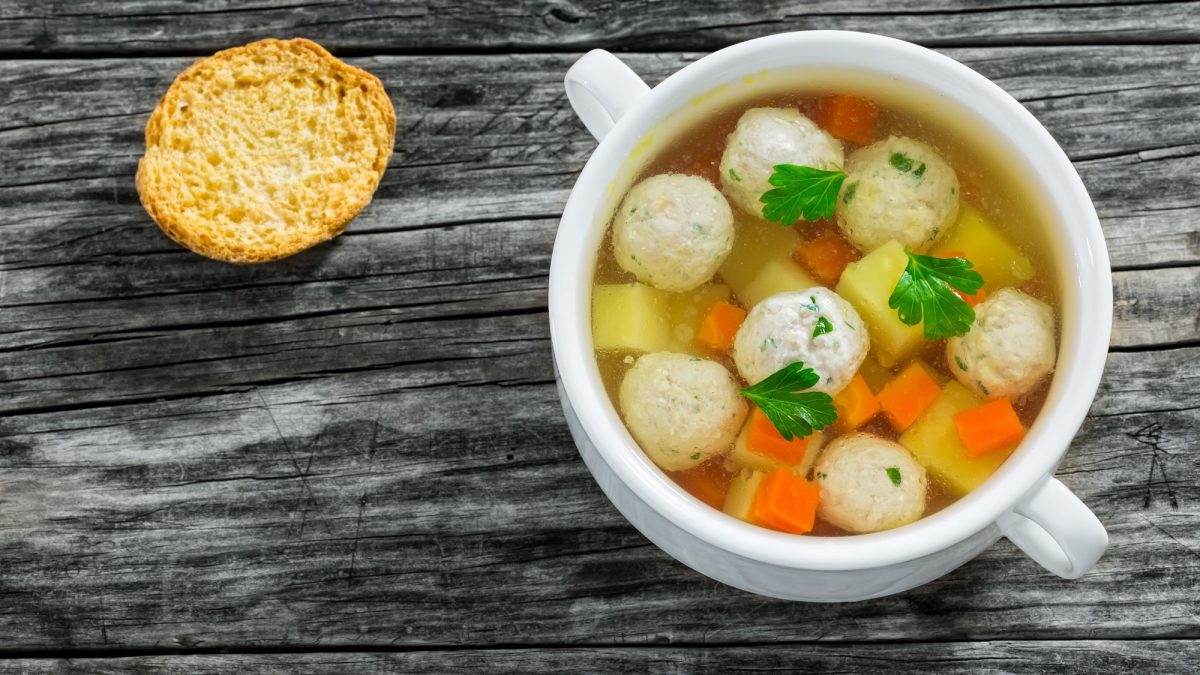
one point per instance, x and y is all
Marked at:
(373, 509)
(1160, 656)
(147, 26)
(477, 146)
(100, 308)
(361, 447)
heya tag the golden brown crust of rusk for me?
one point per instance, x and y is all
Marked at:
(258, 152)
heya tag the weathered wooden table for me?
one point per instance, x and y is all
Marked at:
(355, 459)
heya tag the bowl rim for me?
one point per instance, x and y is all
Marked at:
(1085, 277)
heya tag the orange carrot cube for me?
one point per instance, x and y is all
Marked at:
(907, 395)
(990, 427)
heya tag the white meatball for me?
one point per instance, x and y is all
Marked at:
(673, 231)
(780, 330)
(897, 189)
(1009, 347)
(765, 137)
(682, 410)
(869, 484)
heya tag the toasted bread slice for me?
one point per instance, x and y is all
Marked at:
(261, 151)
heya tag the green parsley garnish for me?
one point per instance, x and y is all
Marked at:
(801, 192)
(961, 364)
(695, 455)
(926, 291)
(893, 472)
(904, 164)
(823, 326)
(849, 194)
(734, 175)
(901, 162)
(795, 413)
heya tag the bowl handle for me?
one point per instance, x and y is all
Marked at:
(601, 88)
(1052, 526)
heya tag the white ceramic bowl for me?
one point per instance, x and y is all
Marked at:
(1022, 501)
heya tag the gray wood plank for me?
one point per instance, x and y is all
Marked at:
(380, 302)
(101, 308)
(106, 26)
(440, 502)
(476, 146)
(1160, 656)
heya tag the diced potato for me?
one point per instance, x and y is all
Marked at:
(630, 317)
(761, 263)
(996, 257)
(875, 374)
(756, 242)
(742, 489)
(867, 284)
(776, 276)
(933, 440)
(687, 310)
(744, 457)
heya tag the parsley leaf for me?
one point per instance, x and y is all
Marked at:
(795, 413)
(926, 291)
(823, 326)
(801, 192)
(901, 162)
(893, 473)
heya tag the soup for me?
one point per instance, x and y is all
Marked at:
(821, 313)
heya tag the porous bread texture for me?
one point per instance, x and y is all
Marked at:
(258, 152)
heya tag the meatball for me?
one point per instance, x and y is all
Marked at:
(897, 189)
(1009, 347)
(815, 326)
(869, 484)
(682, 410)
(765, 137)
(673, 231)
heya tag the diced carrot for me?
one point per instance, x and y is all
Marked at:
(708, 482)
(855, 405)
(971, 300)
(785, 502)
(718, 327)
(990, 427)
(907, 395)
(826, 255)
(848, 117)
(763, 438)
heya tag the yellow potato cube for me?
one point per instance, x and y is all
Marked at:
(995, 256)
(632, 317)
(742, 489)
(867, 284)
(933, 440)
(875, 374)
(756, 242)
(776, 276)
